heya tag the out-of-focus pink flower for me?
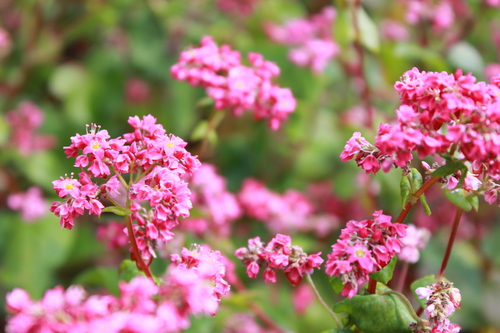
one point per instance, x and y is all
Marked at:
(415, 240)
(113, 235)
(394, 31)
(244, 323)
(5, 43)
(137, 91)
(238, 7)
(302, 297)
(491, 70)
(24, 122)
(30, 204)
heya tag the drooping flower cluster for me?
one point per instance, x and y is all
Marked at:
(233, 85)
(364, 247)
(24, 122)
(442, 300)
(193, 285)
(311, 39)
(441, 113)
(154, 164)
(218, 207)
(415, 240)
(278, 254)
(30, 204)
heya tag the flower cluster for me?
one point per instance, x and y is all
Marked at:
(442, 300)
(441, 15)
(217, 206)
(239, 7)
(154, 196)
(24, 121)
(415, 240)
(233, 85)
(364, 247)
(278, 254)
(193, 285)
(30, 204)
(311, 39)
(282, 213)
(441, 113)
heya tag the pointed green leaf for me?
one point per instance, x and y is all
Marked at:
(368, 31)
(459, 199)
(422, 282)
(448, 169)
(121, 211)
(385, 274)
(423, 200)
(343, 29)
(336, 284)
(377, 313)
(474, 201)
(405, 187)
(416, 177)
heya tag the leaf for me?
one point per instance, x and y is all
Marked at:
(423, 200)
(448, 169)
(118, 210)
(368, 31)
(342, 28)
(377, 313)
(336, 284)
(100, 277)
(459, 198)
(416, 177)
(385, 274)
(465, 56)
(422, 282)
(405, 187)
(474, 201)
(128, 270)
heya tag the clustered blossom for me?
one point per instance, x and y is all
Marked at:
(154, 163)
(440, 113)
(24, 122)
(311, 39)
(30, 204)
(441, 15)
(442, 300)
(217, 206)
(282, 213)
(415, 240)
(112, 234)
(239, 7)
(278, 254)
(364, 247)
(233, 85)
(193, 285)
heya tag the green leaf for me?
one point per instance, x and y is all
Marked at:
(100, 277)
(128, 270)
(368, 31)
(448, 169)
(423, 200)
(465, 56)
(343, 29)
(118, 210)
(416, 177)
(422, 282)
(385, 274)
(336, 284)
(377, 313)
(405, 187)
(474, 201)
(459, 198)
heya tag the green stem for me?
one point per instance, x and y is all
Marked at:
(453, 234)
(405, 301)
(321, 301)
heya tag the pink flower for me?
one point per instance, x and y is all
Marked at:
(31, 204)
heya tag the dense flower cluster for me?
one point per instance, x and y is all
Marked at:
(441, 15)
(24, 121)
(442, 300)
(233, 85)
(112, 234)
(217, 207)
(278, 254)
(364, 247)
(193, 285)
(441, 113)
(154, 164)
(30, 204)
(415, 240)
(311, 39)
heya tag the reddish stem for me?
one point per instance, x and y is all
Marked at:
(402, 277)
(451, 241)
(135, 250)
(372, 286)
(416, 195)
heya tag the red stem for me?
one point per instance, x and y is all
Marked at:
(402, 277)
(451, 241)
(138, 258)
(416, 195)
(372, 286)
